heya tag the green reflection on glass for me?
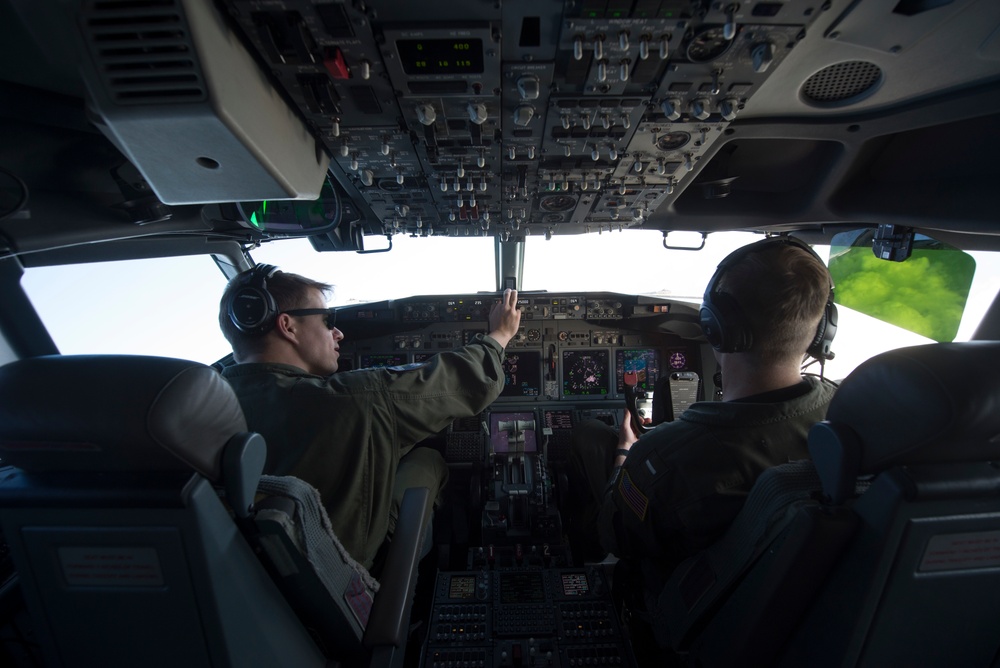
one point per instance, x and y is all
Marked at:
(925, 294)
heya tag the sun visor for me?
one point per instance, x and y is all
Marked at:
(180, 95)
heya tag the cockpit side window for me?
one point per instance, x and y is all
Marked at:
(162, 306)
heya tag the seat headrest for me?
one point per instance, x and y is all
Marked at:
(923, 404)
(115, 413)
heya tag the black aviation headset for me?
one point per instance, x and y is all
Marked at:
(725, 324)
(251, 307)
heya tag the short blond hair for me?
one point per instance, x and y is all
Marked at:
(782, 290)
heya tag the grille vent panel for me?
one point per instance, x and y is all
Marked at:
(143, 51)
(842, 84)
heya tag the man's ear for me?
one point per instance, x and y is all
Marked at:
(286, 327)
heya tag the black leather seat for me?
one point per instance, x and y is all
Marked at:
(890, 556)
(128, 556)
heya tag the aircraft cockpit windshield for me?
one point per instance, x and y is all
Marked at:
(167, 306)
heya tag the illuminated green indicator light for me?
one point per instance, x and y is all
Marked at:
(592, 15)
(263, 214)
(616, 15)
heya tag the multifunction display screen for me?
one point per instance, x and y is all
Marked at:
(643, 362)
(575, 584)
(522, 587)
(462, 587)
(523, 374)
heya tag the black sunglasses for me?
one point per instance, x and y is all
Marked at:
(330, 313)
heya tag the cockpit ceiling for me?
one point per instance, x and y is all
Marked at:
(507, 119)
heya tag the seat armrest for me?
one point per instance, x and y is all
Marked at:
(242, 465)
(389, 621)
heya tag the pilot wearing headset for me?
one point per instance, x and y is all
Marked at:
(675, 490)
(350, 435)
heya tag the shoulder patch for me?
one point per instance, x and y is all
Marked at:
(633, 496)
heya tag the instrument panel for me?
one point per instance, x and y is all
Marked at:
(520, 596)
(576, 348)
(524, 616)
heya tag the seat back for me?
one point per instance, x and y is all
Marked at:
(126, 555)
(920, 582)
(894, 560)
(706, 595)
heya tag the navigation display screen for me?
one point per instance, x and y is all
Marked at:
(585, 373)
(523, 374)
(644, 362)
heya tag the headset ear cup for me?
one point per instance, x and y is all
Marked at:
(724, 324)
(252, 308)
(827, 329)
(710, 325)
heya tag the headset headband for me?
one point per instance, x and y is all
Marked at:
(726, 325)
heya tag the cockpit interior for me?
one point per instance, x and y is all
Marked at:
(223, 132)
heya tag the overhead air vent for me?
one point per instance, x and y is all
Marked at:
(143, 51)
(842, 84)
(179, 94)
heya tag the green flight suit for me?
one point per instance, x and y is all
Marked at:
(683, 483)
(351, 434)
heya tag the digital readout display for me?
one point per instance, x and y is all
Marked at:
(643, 362)
(441, 56)
(369, 361)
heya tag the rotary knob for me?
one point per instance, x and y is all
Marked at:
(670, 110)
(700, 109)
(523, 115)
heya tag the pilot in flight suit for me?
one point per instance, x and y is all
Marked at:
(683, 483)
(352, 435)
(676, 490)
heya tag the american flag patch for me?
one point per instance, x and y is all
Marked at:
(360, 599)
(634, 498)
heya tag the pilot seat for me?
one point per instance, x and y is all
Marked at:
(143, 533)
(883, 550)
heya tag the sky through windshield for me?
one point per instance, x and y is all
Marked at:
(169, 306)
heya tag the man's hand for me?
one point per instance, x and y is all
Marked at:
(626, 437)
(505, 318)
